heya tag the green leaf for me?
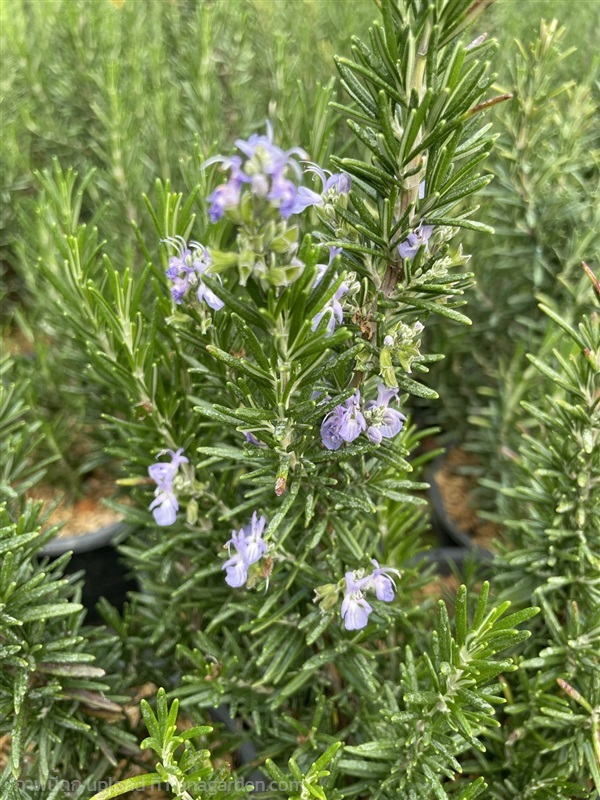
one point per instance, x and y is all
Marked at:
(437, 308)
(129, 785)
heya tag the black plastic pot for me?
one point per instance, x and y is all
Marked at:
(446, 560)
(96, 554)
(448, 532)
(246, 753)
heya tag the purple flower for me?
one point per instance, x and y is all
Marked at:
(267, 158)
(334, 252)
(224, 197)
(164, 506)
(332, 184)
(251, 439)
(354, 421)
(322, 268)
(181, 270)
(381, 583)
(384, 422)
(254, 546)
(419, 237)
(250, 548)
(227, 195)
(343, 424)
(355, 609)
(337, 183)
(284, 192)
(266, 168)
(333, 307)
(330, 428)
(209, 297)
(236, 566)
(185, 270)
(304, 199)
(236, 570)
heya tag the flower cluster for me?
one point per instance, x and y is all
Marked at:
(164, 506)
(265, 169)
(347, 421)
(185, 270)
(249, 548)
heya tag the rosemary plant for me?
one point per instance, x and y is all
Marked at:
(56, 701)
(544, 207)
(258, 370)
(251, 369)
(551, 510)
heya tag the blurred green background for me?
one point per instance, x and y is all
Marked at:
(128, 86)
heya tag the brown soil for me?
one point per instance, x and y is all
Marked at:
(82, 515)
(456, 490)
(4, 750)
(439, 586)
(16, 343)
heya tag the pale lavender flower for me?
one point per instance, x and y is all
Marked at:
(209, 297)
(333, 307)
(181, 270)
(251, 439)
(267, 158)
(337, 184)
(185, 270)
(224, 197)
(164, 506)
(332, 184)
(236, 570)
(322, 268)
(384, 422)
(343, 424)
(355, 609)
(381, 583)
(254, 546)
(284, 192)
(330, 428)
(250, 548)
(354, 421)
(304, 198)
(419, 237)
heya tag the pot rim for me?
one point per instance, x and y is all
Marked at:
(84, 542)
(458, 535)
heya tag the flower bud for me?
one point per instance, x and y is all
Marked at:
(326, 596)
